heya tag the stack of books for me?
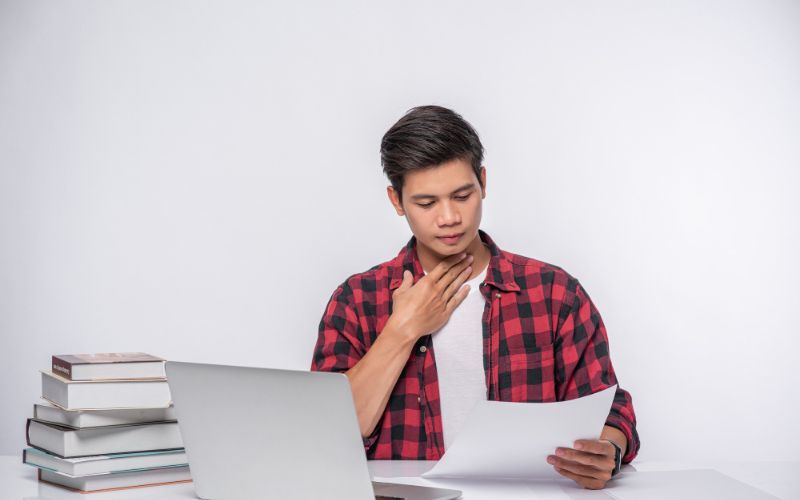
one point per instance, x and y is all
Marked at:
(108, 424)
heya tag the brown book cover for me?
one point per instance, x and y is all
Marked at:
(63, 363)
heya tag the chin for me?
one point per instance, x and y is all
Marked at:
(447, 250)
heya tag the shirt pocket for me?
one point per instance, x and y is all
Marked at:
(527, 375)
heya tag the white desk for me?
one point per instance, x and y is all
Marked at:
(781, 479)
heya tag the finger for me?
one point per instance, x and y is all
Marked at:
(453, 273)
(455, 286)
(594, 446)
(443, 266)
(586, 482)
(408, 279)
(457, 298)
(582, 481)
(602, 462)
(580, 469)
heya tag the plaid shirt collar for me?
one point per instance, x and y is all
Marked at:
(500, 273)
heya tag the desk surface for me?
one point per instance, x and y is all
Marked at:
(781, 479)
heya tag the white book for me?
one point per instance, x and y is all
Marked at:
(103, 464)
(97, 418)
(95, 394)
(69, 443)
(117, 480)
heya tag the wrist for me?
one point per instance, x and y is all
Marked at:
(617, 456)
(616, 436)
(399, 333)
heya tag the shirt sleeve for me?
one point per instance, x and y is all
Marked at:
(583, 364)
(338, 347)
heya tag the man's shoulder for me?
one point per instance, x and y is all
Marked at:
(531, 272)
(364, 285)
(522, 264)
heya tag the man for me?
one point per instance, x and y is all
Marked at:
(453, 319)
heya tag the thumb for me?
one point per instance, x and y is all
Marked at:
(408, 279)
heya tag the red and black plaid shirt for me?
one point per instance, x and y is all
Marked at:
(543, 341)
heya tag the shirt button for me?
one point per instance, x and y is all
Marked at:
(497, 295)
(422, 348)
(419, 400)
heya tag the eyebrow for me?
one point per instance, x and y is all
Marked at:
(462, 188)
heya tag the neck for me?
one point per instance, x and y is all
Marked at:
(480, 253)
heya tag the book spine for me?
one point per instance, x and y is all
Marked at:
(62, 367)
(28, 432)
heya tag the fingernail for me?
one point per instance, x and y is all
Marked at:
(578, 446)
(560, 452)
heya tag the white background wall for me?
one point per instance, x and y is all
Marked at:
(193, 179)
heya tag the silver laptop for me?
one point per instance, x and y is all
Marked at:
(265, 433)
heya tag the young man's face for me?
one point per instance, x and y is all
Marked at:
(441, 201)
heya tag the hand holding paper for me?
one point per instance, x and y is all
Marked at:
(590, 463)
(513, 440)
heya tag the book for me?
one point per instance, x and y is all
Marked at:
(79, 419)
(108, 365)
(102, 464)
(94, 394)
(117, 480)
(66, 442)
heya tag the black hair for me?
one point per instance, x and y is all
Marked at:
(425, 137)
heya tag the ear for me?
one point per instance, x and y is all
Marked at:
(395, 200)
(483, 182)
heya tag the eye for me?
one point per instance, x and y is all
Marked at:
(462, 198)
(425, 205)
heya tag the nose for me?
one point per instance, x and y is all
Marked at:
(448, 214)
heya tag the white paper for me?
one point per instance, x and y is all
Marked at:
(513, 440)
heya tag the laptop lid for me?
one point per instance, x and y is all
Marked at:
(268, 433)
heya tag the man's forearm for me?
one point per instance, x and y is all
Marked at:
(375, 375)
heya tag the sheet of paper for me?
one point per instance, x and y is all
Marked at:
(513, 440)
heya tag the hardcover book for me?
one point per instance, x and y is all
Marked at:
(96, 394)
(103, 464)
(108, 365)
(117, 481)
(66, 442)
(80, 419)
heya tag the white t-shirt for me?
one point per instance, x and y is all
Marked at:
(458, 350)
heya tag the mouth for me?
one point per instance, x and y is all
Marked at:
(451, 239)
